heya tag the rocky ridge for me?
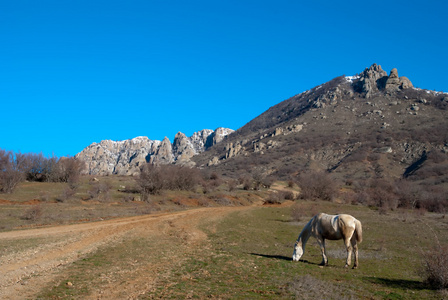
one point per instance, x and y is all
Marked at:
(126, 157)
(363, 126)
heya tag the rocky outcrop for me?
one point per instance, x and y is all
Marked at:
(405, 83)
(395, 83)
(127, 157)
(164, 153)
(122, 157)
(217, 136)
(371, 80)
(183, 148)
(199, 139)
(375, 79)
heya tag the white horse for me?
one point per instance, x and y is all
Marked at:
(331, 227)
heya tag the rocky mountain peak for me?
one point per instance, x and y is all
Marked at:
(371, 80)
(375, 79)
(126, 157)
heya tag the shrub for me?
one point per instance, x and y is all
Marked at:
(258, 178)
(379, 193)
(317, 185)
(246, 182)
(268, 181)
(11, 170)
(274, 198)
(67, 194)
(435, 267)
(232, 184)
(33, 213)
(100, 190)
(222, 201)
(153, 179)
(68, 169)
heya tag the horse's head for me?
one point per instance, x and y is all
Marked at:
(298, 252)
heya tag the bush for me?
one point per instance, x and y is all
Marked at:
(11, 170)
(223, 201)
(68, 169)
(274, 198)
(67, 194)
(33, 214)
(100, 190)
(246, 182)
(383, 198)
(232, 184)
(435, 267)
(153, 179)
(317, 185)
(16, 167)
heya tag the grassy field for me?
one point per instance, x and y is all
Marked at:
(251, 257)
(246, 253)
(35, 204)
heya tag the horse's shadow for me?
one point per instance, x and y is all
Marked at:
(281, 257)
(398, 283)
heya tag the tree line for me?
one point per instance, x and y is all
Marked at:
(18, 167)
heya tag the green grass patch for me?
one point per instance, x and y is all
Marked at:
(248, 255)
(251, 258)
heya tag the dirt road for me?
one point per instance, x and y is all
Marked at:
(31, 259)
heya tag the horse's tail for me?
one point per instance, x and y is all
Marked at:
(358, 231)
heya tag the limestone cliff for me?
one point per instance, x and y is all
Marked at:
(126, 157)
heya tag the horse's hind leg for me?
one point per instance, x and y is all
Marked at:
(355, 252)
(349, 247)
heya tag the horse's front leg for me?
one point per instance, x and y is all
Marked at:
(321, 242)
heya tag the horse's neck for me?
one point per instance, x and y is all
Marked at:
(305, 234)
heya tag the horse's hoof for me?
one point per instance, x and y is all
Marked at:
(355, 267)
(346, 266)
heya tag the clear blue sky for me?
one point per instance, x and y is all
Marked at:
(74, 72)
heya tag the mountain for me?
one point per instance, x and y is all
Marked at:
(371, 125)
(126, 157)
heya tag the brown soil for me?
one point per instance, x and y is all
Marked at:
(25, 271)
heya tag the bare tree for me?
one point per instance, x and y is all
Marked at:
(155, 178)
(68, 169)
(317, 185)
(150, 180)
(11, 170)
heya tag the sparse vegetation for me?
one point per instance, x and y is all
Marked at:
(153, 179)
(18, 167)
(435, 267)
(317, 185)
(34, 213)
(247, 254)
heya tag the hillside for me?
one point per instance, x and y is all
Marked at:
(371, 125)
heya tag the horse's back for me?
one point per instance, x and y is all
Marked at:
(328, 226)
